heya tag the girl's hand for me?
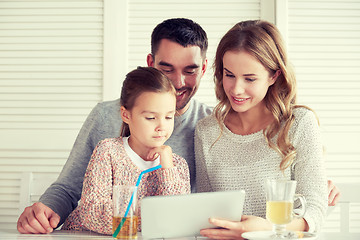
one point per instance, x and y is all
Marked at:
(233, 230)
(165, 153)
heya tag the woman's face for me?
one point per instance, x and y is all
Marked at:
(245, 81)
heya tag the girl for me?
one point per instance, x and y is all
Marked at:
(148, 104)
(258, 132)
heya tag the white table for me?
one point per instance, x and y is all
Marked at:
(57, 234)
(72, 235)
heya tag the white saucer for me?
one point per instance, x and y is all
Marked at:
(262, 235)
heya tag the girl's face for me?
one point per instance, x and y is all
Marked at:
(151, 120)
(245, 81)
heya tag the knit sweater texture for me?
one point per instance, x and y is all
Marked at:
(110, 165)
(245, 162)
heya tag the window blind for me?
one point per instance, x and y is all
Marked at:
(324, 46)
(50, 79)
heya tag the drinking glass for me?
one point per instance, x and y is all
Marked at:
(280, 196)
(124, 215)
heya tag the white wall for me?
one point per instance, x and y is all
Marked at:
(58, 58)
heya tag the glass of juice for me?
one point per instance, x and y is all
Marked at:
(124, 215)
(280, 196)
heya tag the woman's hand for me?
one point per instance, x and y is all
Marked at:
(233, 230)
(165, 153)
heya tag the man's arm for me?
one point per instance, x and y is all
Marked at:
(62, 196)
(334, 194)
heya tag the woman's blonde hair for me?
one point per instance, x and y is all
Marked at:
(262, 40)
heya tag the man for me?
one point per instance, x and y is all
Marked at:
(178, 49)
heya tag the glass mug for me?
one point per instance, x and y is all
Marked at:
(280, 196)
(128, 224)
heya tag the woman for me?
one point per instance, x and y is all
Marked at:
(257, 131)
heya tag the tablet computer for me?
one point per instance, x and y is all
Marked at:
(185, 215)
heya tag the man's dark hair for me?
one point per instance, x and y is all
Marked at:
(182, 31)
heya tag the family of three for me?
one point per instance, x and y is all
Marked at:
(256, 132)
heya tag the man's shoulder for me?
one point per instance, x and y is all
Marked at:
(107, 109)
(108, 105)
(200, 110)
(201, 106)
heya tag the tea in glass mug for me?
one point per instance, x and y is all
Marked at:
(279, 212)
(280, 196)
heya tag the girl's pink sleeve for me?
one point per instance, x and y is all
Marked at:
(176, 180)
(96, 209)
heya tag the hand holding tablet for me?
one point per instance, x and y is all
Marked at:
(186, 215)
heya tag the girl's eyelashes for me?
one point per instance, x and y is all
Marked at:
(250, 79)
(152, 118)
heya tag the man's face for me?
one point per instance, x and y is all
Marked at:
(184, 66)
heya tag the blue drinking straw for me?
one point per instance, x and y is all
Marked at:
(132, 197)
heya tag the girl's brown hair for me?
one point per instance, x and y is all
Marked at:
(138, 81)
